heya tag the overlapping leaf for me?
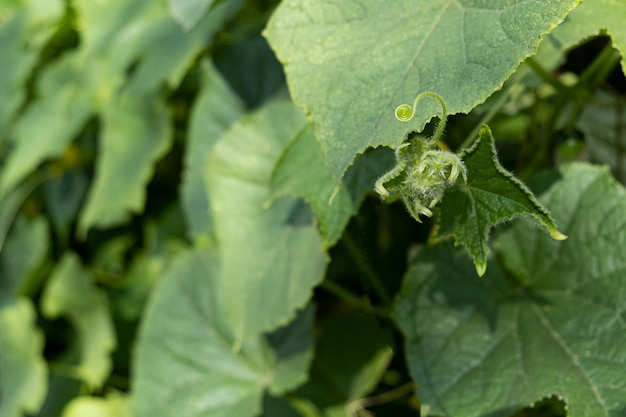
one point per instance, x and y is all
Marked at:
(188, 12)
(301, 171)
(113, 405)
(491, 196)
(22, 24)
(72, 292)
(594, 17)
(271, 254)
(95, 78)
(23, 375)
(136, 133)
(215, 110)
(24, 251)
(601, 122)
(189, 361)
(550, 323)
(349, 64)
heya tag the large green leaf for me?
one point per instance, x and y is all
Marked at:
(215, 110)
(25, 248)
(271, 254)
(115, 36)
(252, 70)
(72, 292)
(301, 171)
(350, 64)
(63, 109)
(188, 12)
(24, 26)
(136, 131)
(550, 323)
(23, 379)
(129, 299)
(491, 196)
(594, 17)
(187, 363)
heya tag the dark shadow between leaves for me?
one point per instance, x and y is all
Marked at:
(300, 215)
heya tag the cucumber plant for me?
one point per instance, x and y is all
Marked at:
(221, 208)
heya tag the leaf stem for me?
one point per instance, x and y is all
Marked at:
(546, 77)
(384, 398)
(304, 406)
(593, 76)
(469, 139)
(366, 269)
(600, 67)
(354, 300)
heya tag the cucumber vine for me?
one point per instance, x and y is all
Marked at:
(423, 171)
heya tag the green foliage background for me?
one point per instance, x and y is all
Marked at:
(188, 225)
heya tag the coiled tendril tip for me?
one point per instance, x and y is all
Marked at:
(404, 112)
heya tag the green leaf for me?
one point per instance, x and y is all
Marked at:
(278, 407)
(166, 50)
(25, 249)
(491, 196)
(64, 196)
(71, 292)
(551, 323)
(215, 110)
(302, 172)
(63, 109)
(271, 255)
(113, 405)
(385, 54)
(61, 389)
(23, 28)
(594, 17)
(129, 299)
(351, 355)
(188, 12)
(186, 363)
(136, 132)
(601, 121)
(23, 374)
(115, 36)
(252, 70)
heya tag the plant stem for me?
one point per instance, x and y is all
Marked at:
(304, 406)
(352, 299)
(65, 370)
(383, 398)
(469, 139)
(600, 67)
(546, 77)
(589, 80)
(366, 269)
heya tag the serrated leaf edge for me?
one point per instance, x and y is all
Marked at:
(548, 223)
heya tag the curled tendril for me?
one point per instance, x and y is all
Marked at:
(405, 112)
(423, 172)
